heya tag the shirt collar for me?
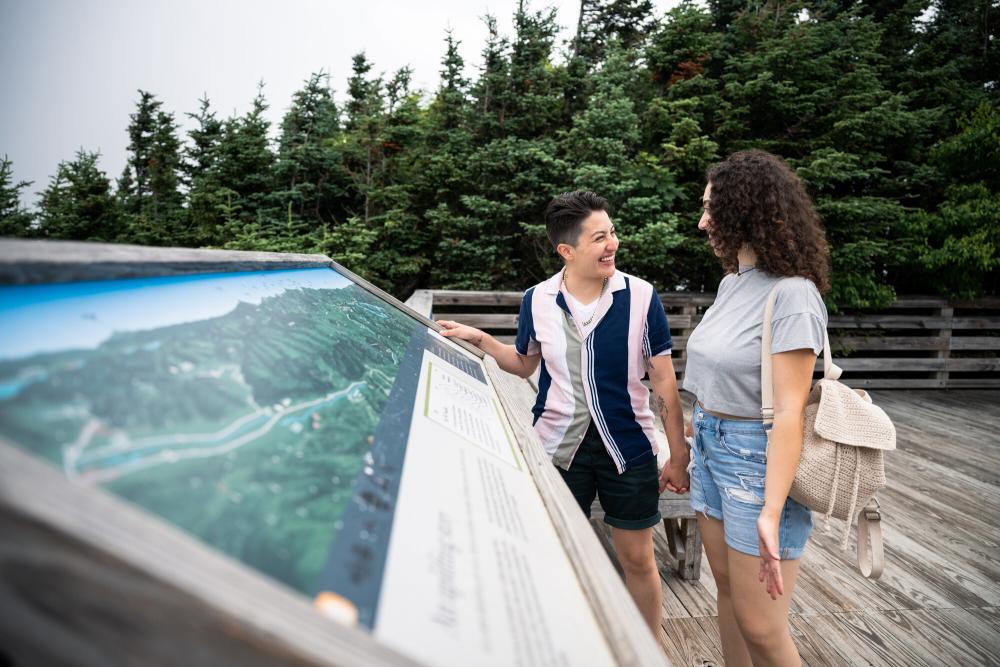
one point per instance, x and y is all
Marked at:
(615, 282)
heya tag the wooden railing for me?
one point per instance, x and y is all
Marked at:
(916, 342)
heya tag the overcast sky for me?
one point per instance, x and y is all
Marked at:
(69, 69)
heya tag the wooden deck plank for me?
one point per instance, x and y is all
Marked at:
(689, 644)
(863, 642)
(969, 579)
(706, 580)
(946, 495)
(964, 637)
(943, 574)
(672, 605)
(830, 582)
(950, 636)
(937, 411)
(815, 648)
(943, 484)
(913, 441)
(817, 592)
(672, 646)
(966, 543)
(697, 600)
(938, 424)
(936, 603)
(991, 617)
(938, 417)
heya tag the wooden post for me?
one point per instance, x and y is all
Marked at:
(422, 301)
(683, 538)
(690, 310)
(946, 313)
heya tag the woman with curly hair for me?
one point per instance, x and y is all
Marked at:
(763, 227)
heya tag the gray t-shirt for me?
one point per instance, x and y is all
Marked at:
(723, 352)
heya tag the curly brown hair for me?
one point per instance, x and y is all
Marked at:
(757, 200)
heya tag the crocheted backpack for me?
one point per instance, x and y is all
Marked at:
(844, 440)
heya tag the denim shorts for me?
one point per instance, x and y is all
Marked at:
(728, 464)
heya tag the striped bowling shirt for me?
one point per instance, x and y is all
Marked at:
(594, 371)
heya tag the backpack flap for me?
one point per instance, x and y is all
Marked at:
(848, 416)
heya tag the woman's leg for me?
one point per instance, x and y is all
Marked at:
(762, 622)
(734, 649)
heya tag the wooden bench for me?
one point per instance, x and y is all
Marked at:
(681, 527)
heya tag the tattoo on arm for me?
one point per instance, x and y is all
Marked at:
(661, 409)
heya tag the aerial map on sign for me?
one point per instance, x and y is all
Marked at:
(302, 425)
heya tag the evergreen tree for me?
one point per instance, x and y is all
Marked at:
(201, 153)
(519, 166)
(206, 199)
(887, 109)
(78, 203)
(444, 179)
(363, 146)
(403, 251)
(683, 58)
(450, 108)
(490, 90)
(310, 183)
(140, 132)
(813, 91)
(954, 59)
(604, 22)
(244, 172)
(149, 186)
(956, 249)
(14, 219)
(382, 127)
(603, 150)
(533, 90)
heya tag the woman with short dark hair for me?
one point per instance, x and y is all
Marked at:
(764, 229)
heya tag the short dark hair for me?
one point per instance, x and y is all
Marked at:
(566, 212)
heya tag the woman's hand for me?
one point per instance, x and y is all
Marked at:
(768, 524)
(674, 476)
(462, 331)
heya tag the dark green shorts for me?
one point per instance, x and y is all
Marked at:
(630, 501)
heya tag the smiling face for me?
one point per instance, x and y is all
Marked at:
(593, 255)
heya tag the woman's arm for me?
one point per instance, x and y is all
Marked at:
(506, 355)
(664, 383)
(793, 373)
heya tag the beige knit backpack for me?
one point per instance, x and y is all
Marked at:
(844, 442)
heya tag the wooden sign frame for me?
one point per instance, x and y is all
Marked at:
(77, 589)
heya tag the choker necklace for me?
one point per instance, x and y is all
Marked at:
(743, 271)
(604, 286)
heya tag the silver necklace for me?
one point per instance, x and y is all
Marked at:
(594, 314)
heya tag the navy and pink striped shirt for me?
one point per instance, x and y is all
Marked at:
(594, 371)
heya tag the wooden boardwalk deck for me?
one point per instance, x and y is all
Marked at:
(938, 602)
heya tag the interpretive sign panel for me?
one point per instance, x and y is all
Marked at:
(308, 428)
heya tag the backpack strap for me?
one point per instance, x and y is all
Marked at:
(871, 557)
(830, 370)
